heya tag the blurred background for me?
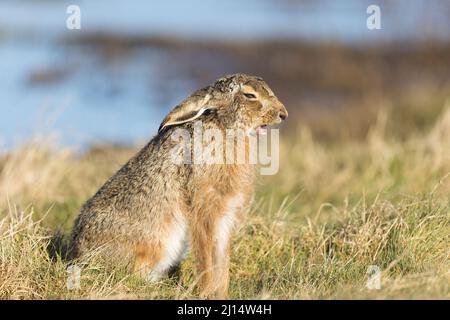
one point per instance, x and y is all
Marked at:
(364, 155)
(113, 81)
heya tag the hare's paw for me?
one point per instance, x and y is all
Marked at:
(154, 276)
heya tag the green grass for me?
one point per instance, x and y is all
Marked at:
(334, 209)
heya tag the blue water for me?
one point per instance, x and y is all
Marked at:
(123, 102)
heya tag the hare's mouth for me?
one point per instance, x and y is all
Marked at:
(261, 130)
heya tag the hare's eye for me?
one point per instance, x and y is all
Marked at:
(250, 95)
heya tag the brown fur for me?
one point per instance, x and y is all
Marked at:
(150, 201)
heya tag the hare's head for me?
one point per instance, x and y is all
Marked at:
(239, 101)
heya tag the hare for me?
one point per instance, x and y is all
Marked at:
(152, 210)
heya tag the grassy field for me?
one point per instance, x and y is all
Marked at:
(336, 207)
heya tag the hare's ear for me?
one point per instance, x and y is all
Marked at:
(187, 111)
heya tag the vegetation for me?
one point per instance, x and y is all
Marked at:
(336, 207)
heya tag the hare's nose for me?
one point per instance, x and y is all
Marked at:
(282, 115)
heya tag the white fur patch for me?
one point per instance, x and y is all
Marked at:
(174, 250)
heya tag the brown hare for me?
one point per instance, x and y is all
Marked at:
(152, 210)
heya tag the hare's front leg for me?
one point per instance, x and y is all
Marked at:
(202, 250)
(222, 253)
(210, 241)
(211, 252)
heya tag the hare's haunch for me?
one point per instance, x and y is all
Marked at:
(153, 209)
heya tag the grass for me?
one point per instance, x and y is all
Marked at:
(334, 209)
